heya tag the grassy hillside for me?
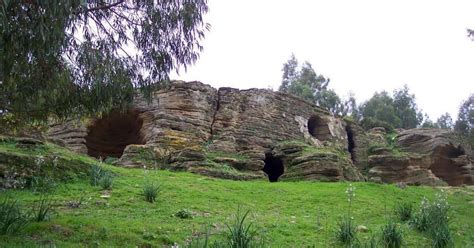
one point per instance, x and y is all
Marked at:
(288, 214)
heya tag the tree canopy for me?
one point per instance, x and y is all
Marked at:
(303, 81)
(465, 122)
(397, 111)
(78, 57)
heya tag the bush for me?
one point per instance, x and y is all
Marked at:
(369, 243)
(184, 214)
(96, 173)
(431, 215)
(346, 231)
(404, 211)
(240, 234)
(432, 218)
(42, 184)
(101, 177)
(441, 237)
(392, 236)
(12, 218)
(151, 190)
(106, 181)
(42, 210)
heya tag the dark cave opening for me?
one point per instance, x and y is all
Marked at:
(109, 135)
(350, 143)
(318, 128)
(445, 168)
(273, 167)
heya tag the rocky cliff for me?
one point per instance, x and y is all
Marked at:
(253, 133)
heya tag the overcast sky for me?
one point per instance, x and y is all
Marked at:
(362, 46)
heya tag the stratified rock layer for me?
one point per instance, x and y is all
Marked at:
(427, 156)
(226, 127)
(245, 134)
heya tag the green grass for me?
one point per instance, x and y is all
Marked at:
(285, 211)
(289, 214)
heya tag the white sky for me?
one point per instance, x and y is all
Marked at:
(363, 46)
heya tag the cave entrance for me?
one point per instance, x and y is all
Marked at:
(109, 135)
(350, 143)
(445, 168)
(318, 128)
(273, 167)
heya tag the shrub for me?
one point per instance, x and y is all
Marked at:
(96, 173)
(431, 215)
(106, 181)
(432, 218)
(151, 190)
(392, 236)
(346, 231)
(240, 234)
(404, 211)
(441, 237)
(42, 184)
(12, 218)
(369, 243)
(43, 208)
(184, 214)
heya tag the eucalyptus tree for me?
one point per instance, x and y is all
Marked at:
(80, 57)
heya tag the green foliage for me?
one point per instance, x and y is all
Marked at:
(345, 231)
(285, 212)
(428, 123)
(110, 160)
(98, 176)
(432, 218)
(445, 121)
(242, 235)
(371, 122)
(184, 214)
(392, 236)
(397, 111)
(12, 217)
(465, 122)
(43, 208)
(151, 191)
(42, 184)
(73, 57)
(441, 236)
(371, 242)
(106, 181)
(304, 82)
(404, 211)
(95, 174)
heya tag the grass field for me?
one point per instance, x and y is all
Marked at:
(288, 214)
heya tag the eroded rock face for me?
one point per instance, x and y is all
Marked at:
(427, 156)
(194, 118)
(245, 134)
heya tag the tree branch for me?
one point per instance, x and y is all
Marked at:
(102, 7)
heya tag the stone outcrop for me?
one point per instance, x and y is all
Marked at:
(198, 122)
(424, 156)
(245, 134)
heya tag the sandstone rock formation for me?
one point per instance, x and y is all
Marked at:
(244, 134)
(207, 128)
(425, 156)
